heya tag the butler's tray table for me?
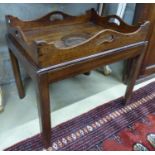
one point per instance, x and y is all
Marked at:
(58, 46)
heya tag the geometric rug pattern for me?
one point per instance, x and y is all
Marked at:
(104, 127)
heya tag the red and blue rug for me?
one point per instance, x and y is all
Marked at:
(111, 126)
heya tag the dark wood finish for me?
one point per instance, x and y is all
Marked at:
(137, 62)
(145, 12)
(16, 70)
(58, 49)
(92, 32)
(42, 89)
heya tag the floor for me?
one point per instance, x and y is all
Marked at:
(20, 120)
(62, 94)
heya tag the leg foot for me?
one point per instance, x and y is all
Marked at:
(42, 88)
(133, 76)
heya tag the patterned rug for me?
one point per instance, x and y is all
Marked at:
(111, 126)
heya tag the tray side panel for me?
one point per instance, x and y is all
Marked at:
(50, 55)
(79, 68)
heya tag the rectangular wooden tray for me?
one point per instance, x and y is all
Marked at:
(58, 38)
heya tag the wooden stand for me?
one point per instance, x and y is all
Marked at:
(58, 46)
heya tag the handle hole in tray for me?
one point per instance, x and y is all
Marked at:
(55, 17)
(115, 21)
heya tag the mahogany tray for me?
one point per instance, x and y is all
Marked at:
(58, 46)
(57, 37)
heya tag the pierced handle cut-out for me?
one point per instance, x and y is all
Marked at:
(56, 16)
(114, 20)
